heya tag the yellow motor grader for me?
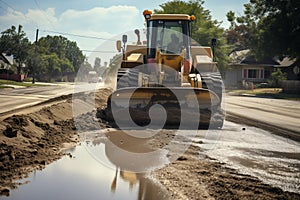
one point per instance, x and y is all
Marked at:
(167, 79)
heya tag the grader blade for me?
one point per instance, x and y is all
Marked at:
(143, 106)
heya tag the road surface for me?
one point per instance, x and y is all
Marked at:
(12, 99)
(280, 114)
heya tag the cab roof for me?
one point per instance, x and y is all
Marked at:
(170, 17)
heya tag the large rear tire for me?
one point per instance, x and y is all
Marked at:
(213, 82)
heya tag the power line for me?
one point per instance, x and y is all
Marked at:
(99, 51)
(45, 14)
(26, 17)
(76, 35)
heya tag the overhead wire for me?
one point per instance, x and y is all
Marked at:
(99, 51)
(77, 35)
(45, 14)
(58, 32)
(25, 17)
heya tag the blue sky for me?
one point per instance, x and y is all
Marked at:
(97, 18)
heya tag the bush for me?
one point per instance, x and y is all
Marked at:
(277, 77)
(28, 79)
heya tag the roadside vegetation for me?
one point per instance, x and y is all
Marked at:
(266, 92)
(49, 59)
(269, 28)
(11, 84)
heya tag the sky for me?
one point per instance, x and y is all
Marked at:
(100, 22)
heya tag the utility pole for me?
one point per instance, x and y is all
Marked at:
(19, 63)
(35, 54)
(213, 44)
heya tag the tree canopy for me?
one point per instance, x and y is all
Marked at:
(63, 48)
(203, 28)
(270, 28)
(15, 42)
(54, 57)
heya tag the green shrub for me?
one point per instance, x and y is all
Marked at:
(277, 77)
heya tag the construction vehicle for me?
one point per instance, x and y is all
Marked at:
(185, 82)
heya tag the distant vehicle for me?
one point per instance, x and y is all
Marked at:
(93, 77)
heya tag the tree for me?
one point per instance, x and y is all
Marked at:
(97, 64)
(64, 48)
(277, 77)
(272, 27)
(57, 56)
(82, 74)
(238, 34)
(203, 28)
(15, 43)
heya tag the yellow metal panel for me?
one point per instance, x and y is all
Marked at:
(135, 57)
(170, 17)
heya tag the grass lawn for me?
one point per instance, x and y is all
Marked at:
(10, 84)
(4, 86)
(268, 92)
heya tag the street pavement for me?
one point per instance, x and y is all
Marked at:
(12, 99)
(279, 112)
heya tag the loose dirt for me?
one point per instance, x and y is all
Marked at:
(31, 141)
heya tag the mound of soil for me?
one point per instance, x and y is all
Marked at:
(30, 142)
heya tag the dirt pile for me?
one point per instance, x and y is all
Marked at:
(29, 142)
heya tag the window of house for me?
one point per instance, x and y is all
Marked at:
(267, 73)
(254, 73)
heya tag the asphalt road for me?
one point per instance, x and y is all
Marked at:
(12, 99)
(284, 114)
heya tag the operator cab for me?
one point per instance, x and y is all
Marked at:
(169, 33)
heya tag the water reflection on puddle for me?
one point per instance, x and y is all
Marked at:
(84, 177)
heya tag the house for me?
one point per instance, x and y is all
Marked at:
(290, 67)
(292, 70)
(245, 70)
(5, 61)
(6, 72)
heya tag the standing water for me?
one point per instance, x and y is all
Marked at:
(81, 176)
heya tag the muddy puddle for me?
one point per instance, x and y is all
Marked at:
(82, 175)
(273, 159)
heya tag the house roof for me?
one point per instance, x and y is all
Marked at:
(244, 57)
(250, 59)
(286, 62)
(6, 59)
(237, 56)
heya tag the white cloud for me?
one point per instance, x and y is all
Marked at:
(97, 22)
(114, 19)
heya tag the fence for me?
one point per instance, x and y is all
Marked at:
(291, 86)
(12, 77)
